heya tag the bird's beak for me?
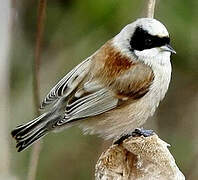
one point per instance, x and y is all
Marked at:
(168, 48)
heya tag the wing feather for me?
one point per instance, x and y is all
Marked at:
(66, 85)
(92, 104)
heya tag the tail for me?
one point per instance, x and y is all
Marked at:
(25, 135)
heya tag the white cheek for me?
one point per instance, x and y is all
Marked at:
(153, 56)
(147, 52)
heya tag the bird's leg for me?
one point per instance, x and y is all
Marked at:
(136, 133)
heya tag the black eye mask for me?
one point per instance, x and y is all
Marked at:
(141, 40)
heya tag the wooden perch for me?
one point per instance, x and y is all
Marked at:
(138, 158)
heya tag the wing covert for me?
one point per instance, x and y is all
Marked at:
(67, 84)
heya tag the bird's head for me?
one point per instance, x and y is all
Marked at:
(146, 39)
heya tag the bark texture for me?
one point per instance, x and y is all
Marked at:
(138, 158)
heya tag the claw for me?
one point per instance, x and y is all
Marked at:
(142, 132)
(136, 133)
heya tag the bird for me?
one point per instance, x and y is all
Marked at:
(113, 91)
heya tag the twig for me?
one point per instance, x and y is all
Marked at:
(151, 8)
(40, 26)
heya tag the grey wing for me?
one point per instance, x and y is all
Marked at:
(100, 100)
(66, 85)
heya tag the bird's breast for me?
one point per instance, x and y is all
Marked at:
(159, 87)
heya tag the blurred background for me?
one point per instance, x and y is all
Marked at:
(74, 29)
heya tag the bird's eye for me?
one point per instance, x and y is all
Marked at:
(148, 41)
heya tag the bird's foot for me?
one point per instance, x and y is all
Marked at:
(142, 132)
(136, 133)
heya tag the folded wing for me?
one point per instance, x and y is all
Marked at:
(89, 104)
(66, 85)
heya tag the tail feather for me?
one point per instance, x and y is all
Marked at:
(25, 128)
(25, 143)
(31, 132)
